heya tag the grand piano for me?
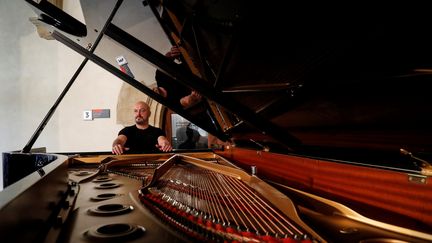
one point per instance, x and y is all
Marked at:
(320, 121)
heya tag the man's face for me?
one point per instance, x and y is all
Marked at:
(142, 113)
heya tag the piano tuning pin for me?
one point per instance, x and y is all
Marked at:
(182, 207)
(253, 170)
(305, 237)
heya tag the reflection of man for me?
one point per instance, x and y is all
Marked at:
(171, 89)
(141, 137)
(191, 140)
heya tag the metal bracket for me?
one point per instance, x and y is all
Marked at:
(418, 179)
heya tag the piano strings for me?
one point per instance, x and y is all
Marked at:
(210, 205)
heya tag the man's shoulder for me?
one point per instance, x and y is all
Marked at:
(127, 128)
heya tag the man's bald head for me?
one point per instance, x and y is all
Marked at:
(142, 113)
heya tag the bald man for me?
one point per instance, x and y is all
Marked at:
(141, 137)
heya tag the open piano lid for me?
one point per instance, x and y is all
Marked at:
(290, 77)
(332, 76)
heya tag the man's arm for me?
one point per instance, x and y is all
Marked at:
(163, 144)
(118, 145)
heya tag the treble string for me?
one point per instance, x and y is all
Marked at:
(207, 196)
(271, 212)
(237, 197)
(254, 206)
(246, 205)
(201, 204)
(229, 206)
(214, 200)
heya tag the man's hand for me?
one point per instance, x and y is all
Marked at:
(190, 100)
(161, 91)
(163, 144)
(166, 147)
(173, 53)
(118, 149)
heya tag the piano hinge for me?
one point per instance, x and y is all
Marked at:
(418, 179)
(424, 166)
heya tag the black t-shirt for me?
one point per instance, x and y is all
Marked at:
(141, 140)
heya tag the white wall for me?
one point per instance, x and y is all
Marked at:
(26, 93)
(34, 71)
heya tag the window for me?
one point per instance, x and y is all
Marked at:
(186, 135)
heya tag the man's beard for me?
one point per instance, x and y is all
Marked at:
(139, 120)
